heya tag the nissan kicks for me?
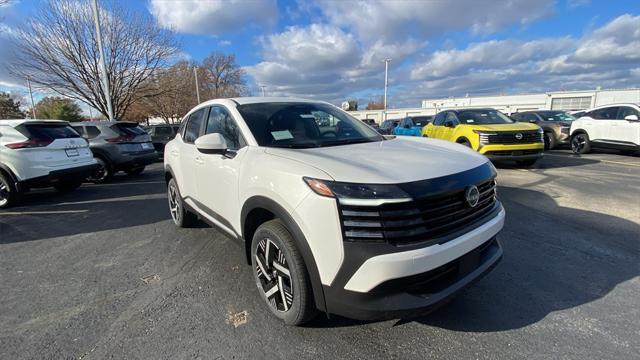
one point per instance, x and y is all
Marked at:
(336, 219)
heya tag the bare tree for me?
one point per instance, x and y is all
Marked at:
(376, 105)
(59, 52)
(222, 76)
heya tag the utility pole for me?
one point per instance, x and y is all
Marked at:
(386, 82)
(103, 65)
(33, 105)
(195, 73)
(263, 87)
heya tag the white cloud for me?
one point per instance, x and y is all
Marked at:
(213, 17)
(391, 20)
(617, 41)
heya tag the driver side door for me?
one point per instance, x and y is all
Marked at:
(449, 128)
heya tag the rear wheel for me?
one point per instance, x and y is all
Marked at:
(180, 215)
(281, 275)
(135, 171)
(102, 173)
(67, 185)
(580, 143)
(9, 194)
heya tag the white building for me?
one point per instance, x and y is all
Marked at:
(557, 100)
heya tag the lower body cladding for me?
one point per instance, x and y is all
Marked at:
(78, 173)
(379, 281)
(513, 152)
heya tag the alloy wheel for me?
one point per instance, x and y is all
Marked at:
(174, 203)
(4, 193)
(578, 142)
(274, 276)
(100, 174)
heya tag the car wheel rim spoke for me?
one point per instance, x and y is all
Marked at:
(174, 204)
(4, 192)
(274, 275)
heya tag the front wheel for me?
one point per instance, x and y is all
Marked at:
(580, 143)
(281, 275)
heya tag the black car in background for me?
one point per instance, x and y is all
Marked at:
(387, 126)
(372, 123)
(161, 135)
(421, 120)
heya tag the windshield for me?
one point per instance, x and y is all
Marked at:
(304, 125)
(555, 116)
(483, 117)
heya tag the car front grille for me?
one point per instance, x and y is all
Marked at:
(415, 221)
(511, 137)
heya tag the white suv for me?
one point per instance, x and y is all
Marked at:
(613, 126)
(37, 153)
(331, 215)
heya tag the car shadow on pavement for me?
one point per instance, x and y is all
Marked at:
(555, 258)
(559, 161)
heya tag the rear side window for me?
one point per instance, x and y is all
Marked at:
(439, 119)
(128, 129)
(162, 131)
(193, 127)
(48, 131)
(92, 131)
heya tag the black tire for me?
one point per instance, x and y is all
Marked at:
(103, 173)
(465, 142)
(179, 214)
(580, 143)
(9, 194)
(526, 163)
(273, 255)
(135, 171)
(67, 185)
(550, 141)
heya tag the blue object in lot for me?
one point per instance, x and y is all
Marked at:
(409, 127)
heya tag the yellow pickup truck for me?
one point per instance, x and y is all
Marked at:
(489, 132)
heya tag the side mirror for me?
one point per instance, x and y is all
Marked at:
(631, 117)
(211, 144)
(532, 121)
(449, 124)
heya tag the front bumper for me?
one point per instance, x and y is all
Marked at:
(416, 281)
(75, 173)
(513, 152)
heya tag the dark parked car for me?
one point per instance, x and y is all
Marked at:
(387, 126)
(117, 146)
(372, 123)
(556, 125)
(161, 135)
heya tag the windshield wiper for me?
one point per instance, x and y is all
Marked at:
(295, 146)
(345, 142)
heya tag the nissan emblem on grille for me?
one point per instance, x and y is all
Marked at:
(473, 195)
(519, 136)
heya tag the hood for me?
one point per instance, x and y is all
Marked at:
(399, 160)
(519, 126)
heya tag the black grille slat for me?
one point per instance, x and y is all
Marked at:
(509, 137)
(418, 220)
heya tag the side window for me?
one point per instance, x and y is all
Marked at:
(91, 132)
(81, 131)
(517, 117)
(193, 127)
(452, 118)
(625, 111)
(220, 121)
(529, 117)
(607, 113)
(439, 119)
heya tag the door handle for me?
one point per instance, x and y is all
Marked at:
(199, 160)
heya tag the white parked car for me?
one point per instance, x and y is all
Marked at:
(614, 126)
(335, 218)
(40, 153)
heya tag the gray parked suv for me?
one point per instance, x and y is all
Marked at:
(117, 146)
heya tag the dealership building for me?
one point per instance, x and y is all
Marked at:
(557, 100)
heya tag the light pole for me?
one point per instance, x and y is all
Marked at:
(195, 73)
(103, 66)
(386, 82)
(33, 105)
(263, 87)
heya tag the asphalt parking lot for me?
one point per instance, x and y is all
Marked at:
(103, 272)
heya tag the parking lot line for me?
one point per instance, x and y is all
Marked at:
(14, 213)
(600, 160)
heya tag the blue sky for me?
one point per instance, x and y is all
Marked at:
(333, 50)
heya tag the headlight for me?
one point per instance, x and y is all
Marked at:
(358, 194)
(484, 136)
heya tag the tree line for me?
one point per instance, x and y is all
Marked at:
(57, 50)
